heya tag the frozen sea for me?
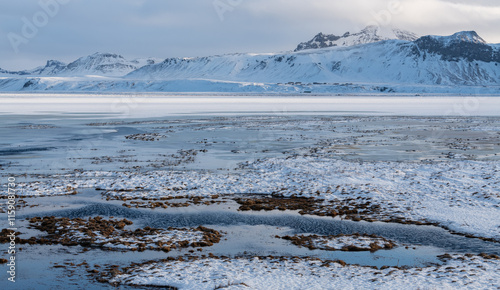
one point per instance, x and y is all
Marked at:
(154, 105)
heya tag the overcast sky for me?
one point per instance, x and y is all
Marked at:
(67, 29)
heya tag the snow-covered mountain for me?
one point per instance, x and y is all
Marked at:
(370, 34)
(53, 67)
(4, 72)
(460, 59)
(101, 64)
(462, 62)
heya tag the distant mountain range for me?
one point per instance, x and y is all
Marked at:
(103, 64)
(371, 60)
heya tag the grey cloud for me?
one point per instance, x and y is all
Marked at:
(170, 28)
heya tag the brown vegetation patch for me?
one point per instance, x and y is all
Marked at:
(305, 205)
(314, 242)
(110, 234)
(145, 137)
(167, 202)
(355, 209)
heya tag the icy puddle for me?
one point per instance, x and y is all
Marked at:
(244, 235)
(221, 143)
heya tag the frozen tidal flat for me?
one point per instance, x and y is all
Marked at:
(415, 160)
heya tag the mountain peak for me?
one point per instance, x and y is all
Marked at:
(462, 37)
(105, 64)
(106, 55)
(461, 45)
(468, 36)
(102, 63)
(51, 67)
(54, 63)
(371, 29)
(405, 35)
(99, 57)
(368, 34)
